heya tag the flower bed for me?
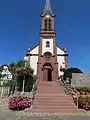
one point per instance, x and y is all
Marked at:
(87, 107)
(83, 102)
(19, 103)
(84, 89)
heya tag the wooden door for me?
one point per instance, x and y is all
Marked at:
(45, 75)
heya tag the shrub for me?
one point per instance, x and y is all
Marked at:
(27, 75)
(75, 100)
(87, 107)
(19, 103)
(85, 89)
(83, 102)
(5, 83)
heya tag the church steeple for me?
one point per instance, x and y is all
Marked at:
(48, 8)
(47, 24)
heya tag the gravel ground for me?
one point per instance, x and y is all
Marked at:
(9, 115)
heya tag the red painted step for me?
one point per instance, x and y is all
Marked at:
(52, 103)
(50, 97)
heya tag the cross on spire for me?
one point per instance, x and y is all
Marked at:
(48, 8)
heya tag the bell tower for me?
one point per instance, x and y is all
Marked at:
(47, 31)
(47, 48)
(47, 24)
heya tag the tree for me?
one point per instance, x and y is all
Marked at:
(12, 68)
(20, 73)
(27, 75)
(1, 68)
(20, 63)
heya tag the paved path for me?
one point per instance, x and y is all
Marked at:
(9, 115)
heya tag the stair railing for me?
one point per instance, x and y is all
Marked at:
(77, 94)
(34, 89)
(67, 88)
(35, 85)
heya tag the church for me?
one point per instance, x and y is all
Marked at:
(47, 58)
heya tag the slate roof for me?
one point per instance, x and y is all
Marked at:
(48, 8)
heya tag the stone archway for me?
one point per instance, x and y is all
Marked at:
(47, 72)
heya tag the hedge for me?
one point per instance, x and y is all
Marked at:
(85, 89)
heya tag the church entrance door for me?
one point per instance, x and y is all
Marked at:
(49, 76)
(47, 73)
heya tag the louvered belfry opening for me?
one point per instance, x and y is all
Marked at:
(47, 24)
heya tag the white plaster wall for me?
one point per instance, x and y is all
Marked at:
(35, 50)
(60, 60)
(47, 49)
(33, 63)
(59, 51)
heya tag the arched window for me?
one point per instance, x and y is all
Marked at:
(49, 24)
(47, 44)
(45, 24)
(48, 53)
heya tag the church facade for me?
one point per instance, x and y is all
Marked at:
(47, 58)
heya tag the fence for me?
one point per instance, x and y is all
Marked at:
(5, 91)
(70, 90)
(9, 87)
(4, 88)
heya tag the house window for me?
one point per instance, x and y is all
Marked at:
(47, 44)
(45, 24)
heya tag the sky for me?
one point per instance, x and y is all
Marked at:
(20, 27)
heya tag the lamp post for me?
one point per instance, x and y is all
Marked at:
(25, 59)
(2, 88)
(9, 78)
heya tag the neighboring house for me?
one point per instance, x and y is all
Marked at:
(6, 75)
(47, 58)
(68, 74)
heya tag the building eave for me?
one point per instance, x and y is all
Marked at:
(60, 47)
(34, 47)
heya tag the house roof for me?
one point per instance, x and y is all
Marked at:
(60, 47)
(34, 47)
(68, 72)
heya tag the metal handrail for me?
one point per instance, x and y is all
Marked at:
(77, 94)
(34, 90)
(35, 86)
(69, 87)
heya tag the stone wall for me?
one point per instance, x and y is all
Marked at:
(80, 79)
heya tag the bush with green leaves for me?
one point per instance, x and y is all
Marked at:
(27, 75)
(83, 101)
(85, 89)
(5, 83)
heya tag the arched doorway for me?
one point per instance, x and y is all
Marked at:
(47, 72)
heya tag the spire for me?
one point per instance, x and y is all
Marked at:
(48, 8)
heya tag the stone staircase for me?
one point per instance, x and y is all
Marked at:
(50, 97)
